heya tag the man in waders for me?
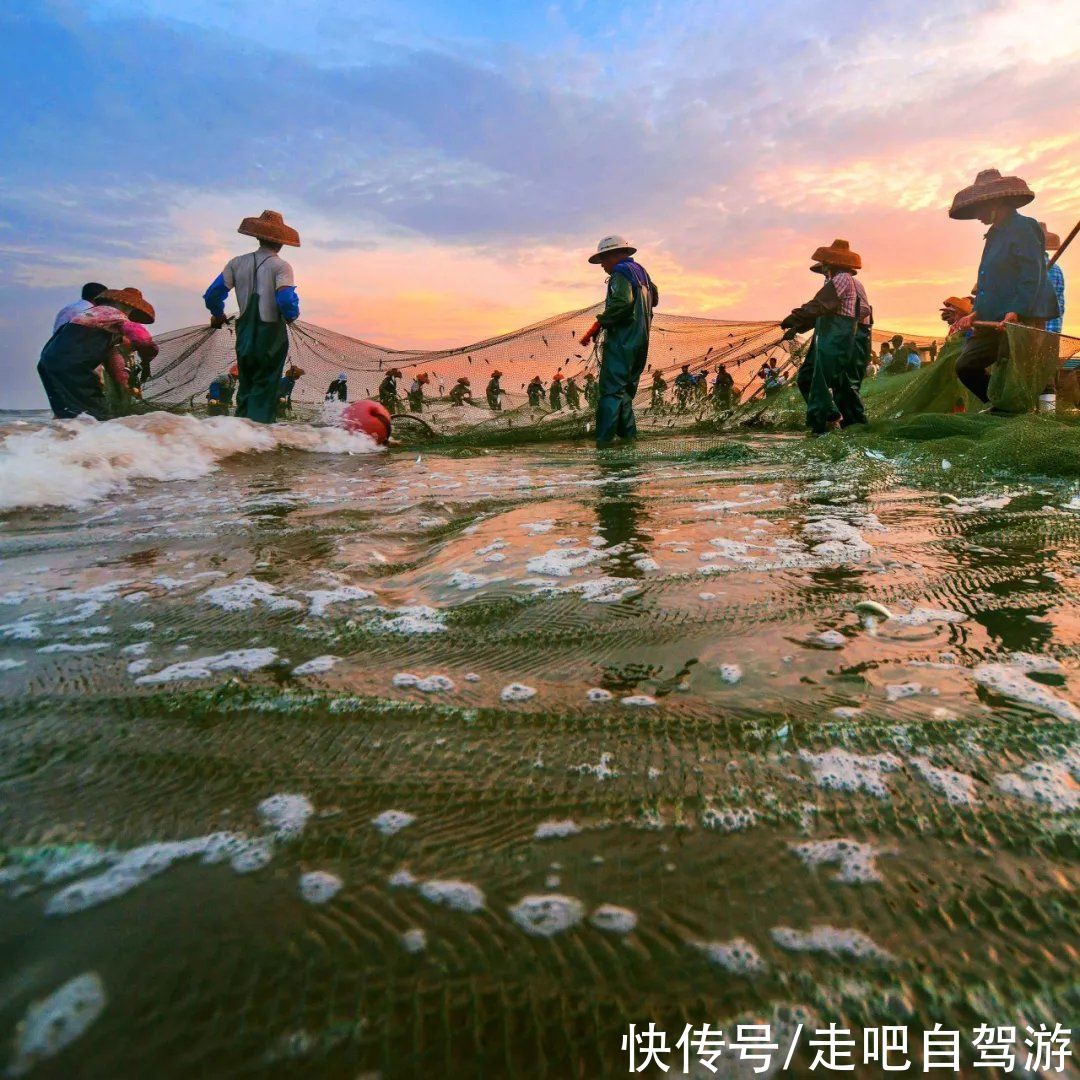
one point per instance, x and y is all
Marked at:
(723, 389)
(416, 391)
(657, 391)
(388, 395)
(626, 321)
(494, 391)
(1011, 286)
(266, 295)
(573, 394)
(535, 392)
(591, 390)
(555, 392)
(840, 316)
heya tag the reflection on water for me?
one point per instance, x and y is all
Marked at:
(632, 681)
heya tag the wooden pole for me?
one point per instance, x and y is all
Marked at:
(1068, 240)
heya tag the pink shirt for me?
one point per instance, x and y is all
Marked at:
(133, 335)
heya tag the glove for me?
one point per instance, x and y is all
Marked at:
(590, 334)
(218, 321)
(789, 334)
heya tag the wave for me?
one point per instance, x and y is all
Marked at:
(73, 463)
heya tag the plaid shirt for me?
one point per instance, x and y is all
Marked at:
(847, 288)
(1056, 279)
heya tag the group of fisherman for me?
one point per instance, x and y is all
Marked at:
(105, 331)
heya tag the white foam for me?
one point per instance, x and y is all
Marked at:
(55, 1022)
(829, 639)
(321, 600)
(547, 915)
(839, 770)
(517, 692)
(77, 462)
(729, 819)
(598, 694)
(247, 593)
(317, 886)
(927, 616)
(957, 787)
(731, 673)
(613, 919)
(602, 770)
(23, 629)
(67, 647)
(536, 528)
(205, 666)
(414, 941)
(556, 830)
(466, 582)
(832, 940)
(8, 664)
(638, 701)
(856, 860)
(393, 821)
(318, 665)
(899, 691)
(401, 879)
(456, 895)
(562, 562)
(285, 814)
(1052, 784)
(414, 619)
(1011, 681)
(737, 956)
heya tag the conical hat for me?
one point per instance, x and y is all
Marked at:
(141, 308)
(270, 225)
(989, 186)
(1052, 240)
(839, 254)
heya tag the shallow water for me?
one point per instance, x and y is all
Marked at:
(708, 713)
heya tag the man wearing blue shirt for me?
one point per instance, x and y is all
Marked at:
(1011, 286)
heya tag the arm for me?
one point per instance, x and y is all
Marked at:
(288, 303)
(826, 302)
(619, 308)
(655, 293)
(214, 298)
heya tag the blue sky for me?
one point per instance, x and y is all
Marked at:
(448, 163)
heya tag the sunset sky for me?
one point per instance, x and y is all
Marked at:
(450, 163)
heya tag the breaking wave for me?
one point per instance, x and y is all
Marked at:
(74, 463)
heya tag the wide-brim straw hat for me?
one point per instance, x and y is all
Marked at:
(396, 372)
(838, 254)
(464, 381)
(141, 308)
(1051, 240)
(270, 225)
(496, 374)
(611, 244)
(990, 186)
(963, 304)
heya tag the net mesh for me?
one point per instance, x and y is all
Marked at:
(191, 358)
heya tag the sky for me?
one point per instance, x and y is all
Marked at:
(450, 164)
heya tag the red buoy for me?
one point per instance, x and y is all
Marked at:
(369, 417)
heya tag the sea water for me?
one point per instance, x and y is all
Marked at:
(331, 759)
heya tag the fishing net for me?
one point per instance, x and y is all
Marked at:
(192, 358)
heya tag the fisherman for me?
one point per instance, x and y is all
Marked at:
(912, 360)
(591, 389)
(416, 391)
(723, 389)
(774, 381)
(220, 395)
(90, 292)
(657, 391)
(339, 388)
(685, 384)
(460, 394)
(494, 391)
(932, 351)
(555, 391)
(953, 309)
(388, 395)
(626, 321)
(701, 386)
(835, 364)
(266, 295)
(535, 390)
(103, 335)
(1055, 277)
(285, 389)
(1011, 286)
(573, 394)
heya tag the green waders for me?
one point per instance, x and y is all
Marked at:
(832, 372)
(261, 350)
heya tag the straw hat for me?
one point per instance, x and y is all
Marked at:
(1052, 240)
(838, 254)
(141, 308)
(989, 186)
(496, 374)
(270, 225)
(395, 372)
(963, 304)
(423, 377)
(612, 244)
(464, 380)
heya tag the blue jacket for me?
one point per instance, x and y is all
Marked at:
(1012, 273)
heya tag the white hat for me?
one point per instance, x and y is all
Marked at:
(610, 244)
(343, 377)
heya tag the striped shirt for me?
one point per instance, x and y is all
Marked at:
(1056, 279)
(848, 289)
